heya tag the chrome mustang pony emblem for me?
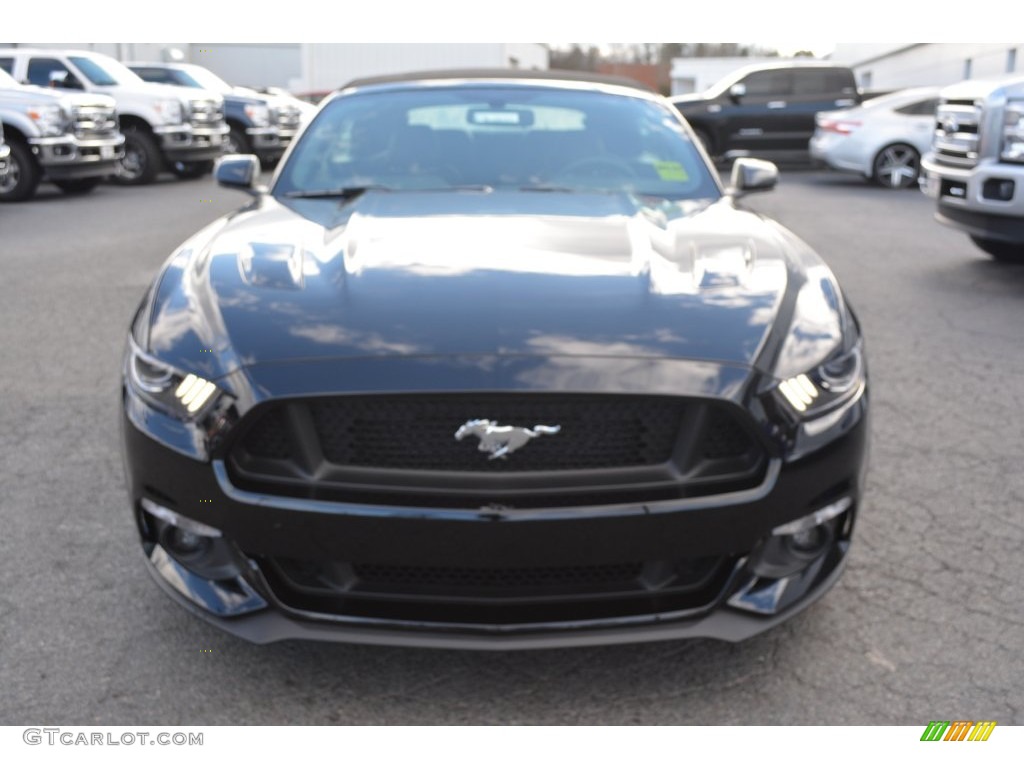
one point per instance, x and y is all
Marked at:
(499, 440)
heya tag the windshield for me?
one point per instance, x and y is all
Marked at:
(197, 77)
(107, 72)
(500, 137)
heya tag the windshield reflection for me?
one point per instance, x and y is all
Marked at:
(532, 139)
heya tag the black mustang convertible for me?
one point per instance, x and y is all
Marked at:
(495, 362)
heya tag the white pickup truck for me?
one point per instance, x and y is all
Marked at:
(975, 170)
(180, 129)
(70, 138)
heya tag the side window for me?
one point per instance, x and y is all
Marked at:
(926, 107)
(771, 82)
(823, 81)
(7, 64)
(39, 71)
(153, 75)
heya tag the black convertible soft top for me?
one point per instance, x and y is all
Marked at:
(499, 74)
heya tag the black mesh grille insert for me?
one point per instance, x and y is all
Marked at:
(498, 595)
(418, 432)
(724, 438)
(402, 449)
(567, 576)
(269, 437)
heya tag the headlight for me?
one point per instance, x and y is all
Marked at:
(180, 394)
(826, 386)
(169, 110)
(1013, 133)
(50, 119)
(259, 114)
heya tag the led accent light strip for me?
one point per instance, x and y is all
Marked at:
(799, 391)
(194, 392)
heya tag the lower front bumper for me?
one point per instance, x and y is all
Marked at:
(271, 142)
(251, 603)
(185, 144)
(62, 158)
(262, 624)
(981, 225)
(969, 199)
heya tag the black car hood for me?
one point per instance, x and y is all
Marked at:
(473, 273)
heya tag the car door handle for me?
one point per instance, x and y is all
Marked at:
(844, 102)
(776, 105)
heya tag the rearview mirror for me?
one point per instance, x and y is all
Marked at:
(61, 78)
(737, 91)
(239, 172)
(750, 175)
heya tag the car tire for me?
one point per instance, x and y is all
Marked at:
(77, 186)
(23, 174)
(1001, 250)
(142, 161)
(896, 166)
(237, 143)
(192, 170)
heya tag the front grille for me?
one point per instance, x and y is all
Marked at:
(94, 122)
(285, 116)
(956, 140)
(504, 596)
(418, 433)
(203, 114)
(402, 449)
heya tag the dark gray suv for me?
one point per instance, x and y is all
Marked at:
(767, 108)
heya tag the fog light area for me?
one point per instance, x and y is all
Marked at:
(197, 561)
(794, 545)
(197, 546)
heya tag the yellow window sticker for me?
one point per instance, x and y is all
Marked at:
(669, 170)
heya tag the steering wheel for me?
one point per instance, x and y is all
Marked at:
(596, 166)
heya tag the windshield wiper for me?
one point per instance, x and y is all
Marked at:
(548, 188)
(339, 193)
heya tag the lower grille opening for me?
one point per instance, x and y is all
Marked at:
(515, 595)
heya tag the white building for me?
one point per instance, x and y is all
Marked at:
(303, 67)
(889, 66)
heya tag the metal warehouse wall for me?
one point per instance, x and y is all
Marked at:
(328, 66)
(930, 63)
(120, 51)
(256, 65)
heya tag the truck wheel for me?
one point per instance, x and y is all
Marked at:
(23, 174)
(237, 143)
(896, 166)
(192, 170)
(1001, 250)
(77, 186)
(141, 162)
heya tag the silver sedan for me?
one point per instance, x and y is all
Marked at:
(882, 139)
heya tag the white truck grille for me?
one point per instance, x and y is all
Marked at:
(957, 124)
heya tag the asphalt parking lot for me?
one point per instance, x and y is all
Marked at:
(926, 623)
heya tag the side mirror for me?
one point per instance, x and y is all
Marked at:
(750, 175)
(61, 78)
(737, 91)
(239, 172)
